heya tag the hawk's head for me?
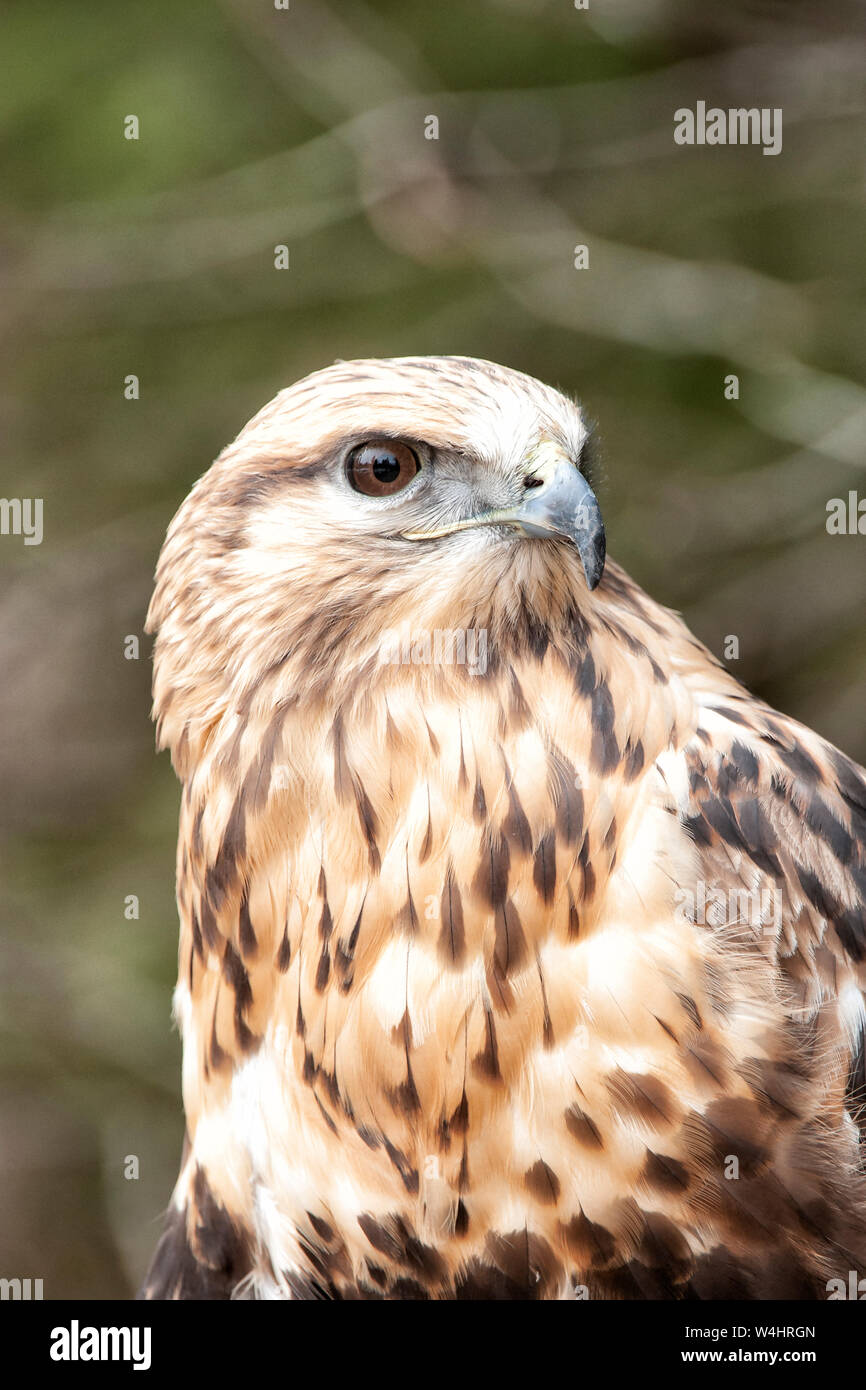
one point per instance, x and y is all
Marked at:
(445, 492)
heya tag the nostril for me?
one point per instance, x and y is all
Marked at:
(533, 482)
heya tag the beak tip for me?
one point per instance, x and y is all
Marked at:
(567, 507)
(593, 561)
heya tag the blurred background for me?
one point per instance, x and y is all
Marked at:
(155, 258)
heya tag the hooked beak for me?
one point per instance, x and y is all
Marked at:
(558, 502)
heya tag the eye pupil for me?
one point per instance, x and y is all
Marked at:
(386, 468)
(381, 468)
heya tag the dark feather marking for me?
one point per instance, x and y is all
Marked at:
(347, 786)
(588, 871)
(326, 923)
(515, 827)
(797, 759)
(491, 877)
(634, 760)
(235, 975)
(719, 814)
(824, 824)
(852, 787)
(733, 1125)
(509, 950)
(459, 1121)
(257, 781)
(197, 846)
(586, 679)
(591, 1244)
(211, 1265)
(547, 1025)
(610, 836)
(407, 1174)
(284, 955)
(544, 867)
(325, 1116)
(248, 1041)
(573, 918)
(784, 1085)
(343, 965)
(641, 1095)
(727, 779)
(246, 931)
(408, 917)
(855, 1086)
(706, 1056)
(665, 1173)
(698, 783)
(528, 1268)
(665, 1251)
(328, 1080)
(666, 1028)
(427, 843)
(731, 714)
(604, 751)
(543, 1183)
(691, 1009)
(582, 1128)
(323, 971)
(380, 1236)
(851, 930)
(745, 761)
(757, 837)
(698, 828)
(486, 1063)
(369, 825)
(519, 714)
(567, 798)
(222, 873)
(369, 1137)
(452, 939)
(817, 893)
(218, 1057)
(462, 776)
(404, 1098)
(531, 630)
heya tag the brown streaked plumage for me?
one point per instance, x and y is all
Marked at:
(458, 1020)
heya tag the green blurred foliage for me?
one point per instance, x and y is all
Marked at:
(155, 257)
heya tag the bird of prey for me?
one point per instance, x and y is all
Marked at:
(522, 950)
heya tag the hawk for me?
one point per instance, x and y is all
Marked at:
(522, 950)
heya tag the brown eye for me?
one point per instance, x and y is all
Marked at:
(381, 468)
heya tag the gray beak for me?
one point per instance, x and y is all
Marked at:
(558, 501)
(563, 504)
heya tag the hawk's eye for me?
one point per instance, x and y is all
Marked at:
(381, 467)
